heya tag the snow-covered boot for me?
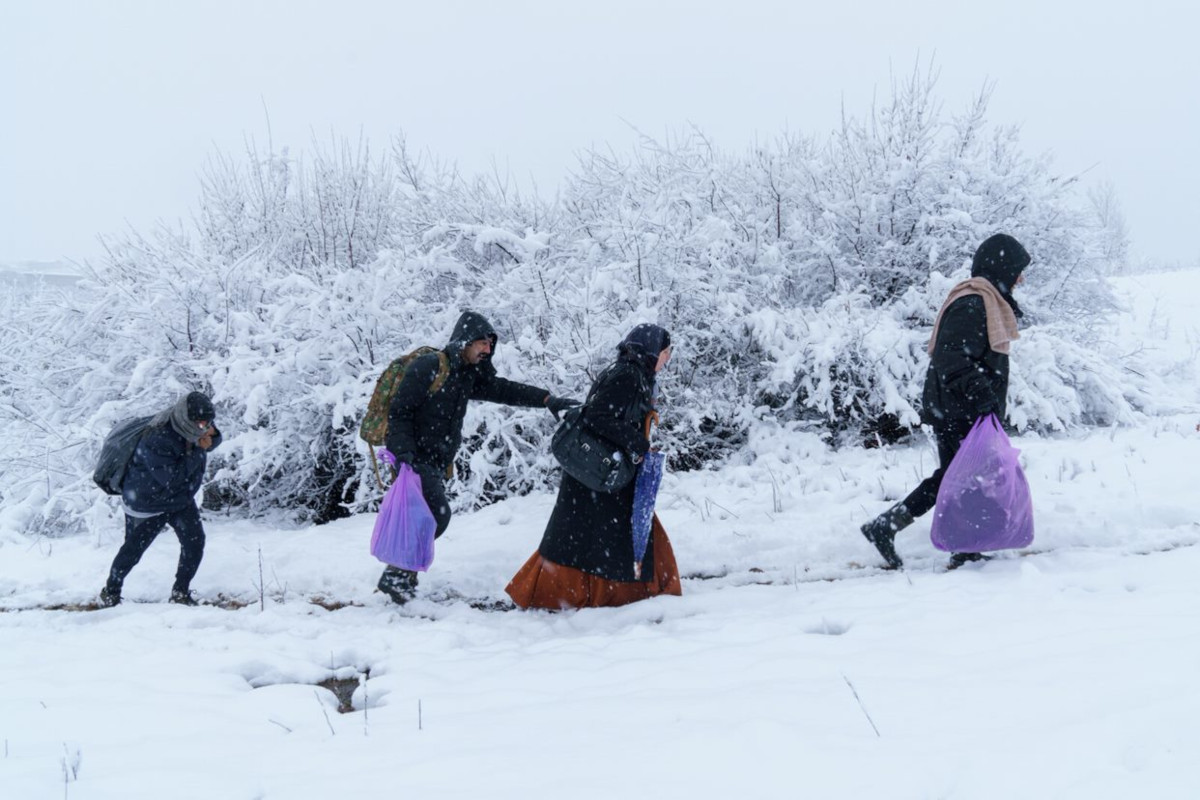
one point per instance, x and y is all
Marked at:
(398, 584)
(183, 597)
(882, 530)
(110, 596)
(958, 559)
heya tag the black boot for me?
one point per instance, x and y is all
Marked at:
(958, 559)
(398, 584)
(882, 530)
(110, 596)
(183, 597)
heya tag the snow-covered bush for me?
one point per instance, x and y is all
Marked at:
(799, 281)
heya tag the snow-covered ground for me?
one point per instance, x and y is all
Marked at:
(791, 667)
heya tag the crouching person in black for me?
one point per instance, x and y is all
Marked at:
(160, 488)
(426, 414)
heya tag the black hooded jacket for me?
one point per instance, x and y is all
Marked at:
(966, 379)
(430, 426)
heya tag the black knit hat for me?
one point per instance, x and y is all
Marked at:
(199, 407)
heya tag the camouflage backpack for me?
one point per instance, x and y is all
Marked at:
(373, 429)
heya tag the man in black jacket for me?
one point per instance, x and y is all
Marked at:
(159, 489)
(967, 376)
(424, 429)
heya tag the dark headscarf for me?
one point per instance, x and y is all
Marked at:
(644, 343)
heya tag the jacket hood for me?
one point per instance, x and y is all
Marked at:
(1000, 259)
(470, 327)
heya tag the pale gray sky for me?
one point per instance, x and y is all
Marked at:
(108, 110)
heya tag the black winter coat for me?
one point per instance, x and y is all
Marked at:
(165, 472)
(966, 379)
(593, 531)
(430, 426)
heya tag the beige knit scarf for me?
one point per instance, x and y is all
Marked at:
(1001, 321)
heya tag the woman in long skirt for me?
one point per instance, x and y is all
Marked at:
(586, 557)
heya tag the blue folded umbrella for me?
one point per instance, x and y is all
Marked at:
(646, 484)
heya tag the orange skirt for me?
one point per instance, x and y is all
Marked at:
(544, 584)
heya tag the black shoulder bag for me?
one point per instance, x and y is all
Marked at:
(588, 457)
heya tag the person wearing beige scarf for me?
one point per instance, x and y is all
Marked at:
(967, 376)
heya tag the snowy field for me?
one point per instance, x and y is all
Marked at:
(791, 667)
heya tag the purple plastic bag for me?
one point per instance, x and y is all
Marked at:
(984, 502)
(645, 491)
(404, 529)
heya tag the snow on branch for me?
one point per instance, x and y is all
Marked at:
(799, 281)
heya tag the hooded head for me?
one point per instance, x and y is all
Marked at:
(471, 327)
(644, 343)
(1000, 259)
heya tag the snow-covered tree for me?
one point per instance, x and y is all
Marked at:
(799, 281)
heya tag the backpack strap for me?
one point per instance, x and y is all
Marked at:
(439, 380)
(375, 466)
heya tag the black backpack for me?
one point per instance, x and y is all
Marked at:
(117, 452)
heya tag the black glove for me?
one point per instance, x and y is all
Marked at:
(405, 458)
(557, 405)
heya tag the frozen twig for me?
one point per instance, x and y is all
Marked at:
(860, 705)
(366, 701)
(317, 695)
(262, 589)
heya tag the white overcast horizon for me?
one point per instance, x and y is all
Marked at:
(112, 109)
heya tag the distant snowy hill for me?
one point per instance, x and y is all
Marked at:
(28, 273)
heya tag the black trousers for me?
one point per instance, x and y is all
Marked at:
(433, 489)
(949, 438)
(140, 533)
